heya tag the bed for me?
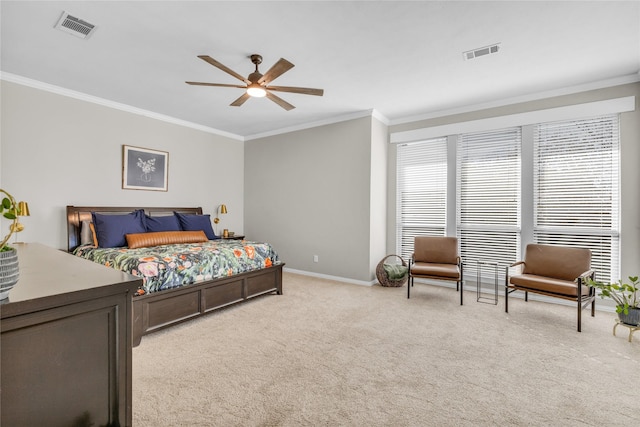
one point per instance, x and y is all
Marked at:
(185, 277)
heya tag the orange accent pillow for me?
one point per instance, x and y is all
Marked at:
(143, 240)
(93, 234)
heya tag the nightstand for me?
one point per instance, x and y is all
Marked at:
(234, 237)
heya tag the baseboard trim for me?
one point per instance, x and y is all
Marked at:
(329, 277)
(601, 305)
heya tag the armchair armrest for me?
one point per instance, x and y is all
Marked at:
(582, 280)
(515, 264)
(584, 276)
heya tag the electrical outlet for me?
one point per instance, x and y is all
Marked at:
(315, 258)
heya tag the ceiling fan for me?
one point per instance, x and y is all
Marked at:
(257, 85)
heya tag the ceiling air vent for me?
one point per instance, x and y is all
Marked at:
(76, 26)
(482, 51)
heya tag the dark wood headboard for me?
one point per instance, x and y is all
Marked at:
(77, 214)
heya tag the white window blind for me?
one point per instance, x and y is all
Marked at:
(488, 193)
(576, 174)
(421, 192)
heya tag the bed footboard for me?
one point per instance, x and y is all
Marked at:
(159, 310)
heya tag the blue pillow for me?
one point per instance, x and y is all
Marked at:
(111, 229)
(191, 222)
(162, 223)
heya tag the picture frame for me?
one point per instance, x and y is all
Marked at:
(144, 169)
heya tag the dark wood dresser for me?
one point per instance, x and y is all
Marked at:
(66, 342)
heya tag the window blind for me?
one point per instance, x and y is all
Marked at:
(576, 175)
(488, 197)
(421, 192)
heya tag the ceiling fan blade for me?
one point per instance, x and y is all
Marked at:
(281, 102)
(279, 68)
(238, 102)
(302, 90)
(215, 84)
(224, 68)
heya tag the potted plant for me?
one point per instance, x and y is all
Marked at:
(626, 297)
(8, 255)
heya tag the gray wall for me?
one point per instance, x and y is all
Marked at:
(630, 159)
(326, 191)
(309, 192)
(58, 151)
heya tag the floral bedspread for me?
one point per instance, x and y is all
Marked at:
(171, 266)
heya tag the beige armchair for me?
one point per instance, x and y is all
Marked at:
(556, 271)
(436, 258)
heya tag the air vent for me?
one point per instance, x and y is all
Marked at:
(482, 51)
(76, 26)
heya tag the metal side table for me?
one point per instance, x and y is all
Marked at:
(479, 290)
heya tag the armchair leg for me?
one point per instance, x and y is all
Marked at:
(461, 282)
(506, 299)
(409, 285)
(506, 290)
(579, 316)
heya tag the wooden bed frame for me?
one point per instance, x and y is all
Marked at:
(158, 310)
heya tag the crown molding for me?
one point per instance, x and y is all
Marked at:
(632, 78)
(331, 120)
(569, 112)
(13, 78)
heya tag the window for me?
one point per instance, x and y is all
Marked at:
(421, 192)
(488, 197)
(565, 175)
(576, 167)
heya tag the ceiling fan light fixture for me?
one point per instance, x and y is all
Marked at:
(257, 85)
(256, 90)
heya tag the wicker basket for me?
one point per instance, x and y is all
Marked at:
(382, 275)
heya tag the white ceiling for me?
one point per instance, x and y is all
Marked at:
(401, 59)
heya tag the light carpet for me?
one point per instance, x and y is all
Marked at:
(333, 354)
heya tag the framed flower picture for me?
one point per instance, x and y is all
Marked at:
(144, 169)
